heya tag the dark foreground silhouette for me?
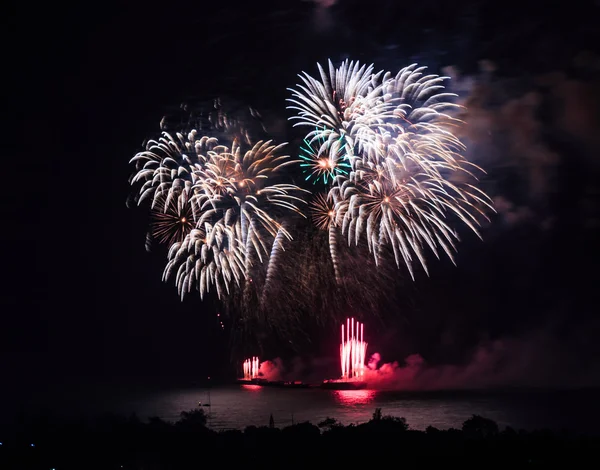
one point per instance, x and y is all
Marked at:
(119, 443)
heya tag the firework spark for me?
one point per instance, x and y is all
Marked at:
(250, 368)
(353, 350)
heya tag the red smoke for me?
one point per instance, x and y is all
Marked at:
(535, 360)
(271, 370)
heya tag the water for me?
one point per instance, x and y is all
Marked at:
(238, 406)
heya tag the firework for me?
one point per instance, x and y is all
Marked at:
(165, 167)
(215, 202)
(172, 223)
(403, 160)
(394, 179)
(353, 350)
(250, 368)
(323, 166)
(344, 106)
(234, 185)
(232, 191)
(212, 256)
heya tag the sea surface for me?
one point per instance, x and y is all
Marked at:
(238, 406)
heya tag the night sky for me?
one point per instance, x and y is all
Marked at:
(82, 298)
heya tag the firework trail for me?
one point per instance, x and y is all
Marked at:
(325, 217)
(403, 158)
(305, 280)
(273, 263)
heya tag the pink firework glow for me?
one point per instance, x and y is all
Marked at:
(353, 350)
(251, 366)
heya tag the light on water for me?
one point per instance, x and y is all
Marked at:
(238, 406)
(251, 387)
(354, 397)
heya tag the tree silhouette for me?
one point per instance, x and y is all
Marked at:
(480, 427)
(193, 420)
(329, 423)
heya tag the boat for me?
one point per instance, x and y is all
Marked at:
(274, 383)
(246, 382)
(271, 383)
(296, 384)
(341, 385)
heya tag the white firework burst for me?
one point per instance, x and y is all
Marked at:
(235, 203)
(345, 106)
(404, 159)
(211, 256)
(165, 167)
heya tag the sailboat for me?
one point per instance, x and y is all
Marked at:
(206, 404)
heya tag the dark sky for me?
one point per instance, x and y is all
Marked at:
(88, 84)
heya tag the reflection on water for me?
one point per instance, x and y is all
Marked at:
(238, 406)
(354, 397)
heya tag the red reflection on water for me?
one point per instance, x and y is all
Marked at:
(354, 397)
(253, 388)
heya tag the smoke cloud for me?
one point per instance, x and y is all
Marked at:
(324, 3)
(311, 370)
(541, 359)
(528, 131)
(272, 370)
(322, 18)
